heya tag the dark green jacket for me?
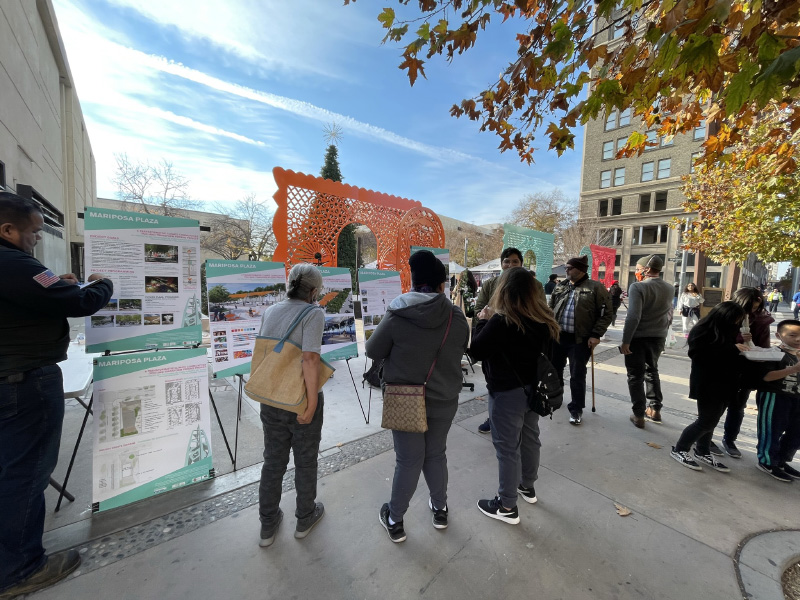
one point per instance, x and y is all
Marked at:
(593, 310)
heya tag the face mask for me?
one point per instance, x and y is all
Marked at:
(639, 275)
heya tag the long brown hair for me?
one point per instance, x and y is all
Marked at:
(517, 298)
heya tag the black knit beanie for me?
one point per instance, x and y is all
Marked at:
(426, 269)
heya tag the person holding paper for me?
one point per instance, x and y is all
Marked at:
(34, 336)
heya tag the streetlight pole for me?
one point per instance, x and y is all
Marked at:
(465, 251)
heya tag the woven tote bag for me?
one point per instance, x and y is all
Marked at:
(276, 371)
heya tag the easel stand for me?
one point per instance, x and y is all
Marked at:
(235, 451)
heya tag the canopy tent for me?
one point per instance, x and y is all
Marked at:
(455, 268)
(488, 267)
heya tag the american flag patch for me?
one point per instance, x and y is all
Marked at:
(46, 278)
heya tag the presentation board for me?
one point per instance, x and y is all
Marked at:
(336, 298)
(238, 293)
(153, 262)
(152, 426)
(378, 288)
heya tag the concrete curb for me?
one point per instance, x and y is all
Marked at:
(761, 559)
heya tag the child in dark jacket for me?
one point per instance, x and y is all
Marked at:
(778, 401)
(759, 320)
(715, 357)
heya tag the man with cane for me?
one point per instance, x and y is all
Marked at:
(583, 310)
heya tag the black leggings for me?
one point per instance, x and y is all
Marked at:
(709, 411)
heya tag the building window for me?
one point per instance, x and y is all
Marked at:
(652, 140)
(667, 141)
(618, 29)
(625, 117)
(661, 201)
(644, 202)
(647, 171)
(608, 150)
(605, 179)
(611, 120)
(695, 156)
(664, 168)
(621, 142)
(700, 131)
(619, 176)
(616, 206)
(602, 210)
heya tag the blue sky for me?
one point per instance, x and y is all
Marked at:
(228, 90)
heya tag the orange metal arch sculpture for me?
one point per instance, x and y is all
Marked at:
(313, 211)
(608, 256)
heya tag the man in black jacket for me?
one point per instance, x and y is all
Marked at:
(34, 336)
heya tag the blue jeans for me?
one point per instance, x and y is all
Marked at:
(31, 415)
(515, 435)
(283, 433)
(578, 356)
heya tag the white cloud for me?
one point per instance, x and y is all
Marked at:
(294, 38)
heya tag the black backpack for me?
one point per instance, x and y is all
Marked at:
(373, 375)
(547, 395)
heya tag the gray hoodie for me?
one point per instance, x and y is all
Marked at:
(408, 338)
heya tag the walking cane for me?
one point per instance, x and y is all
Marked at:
(593, 408)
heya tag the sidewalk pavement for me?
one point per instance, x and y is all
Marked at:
(690, 535)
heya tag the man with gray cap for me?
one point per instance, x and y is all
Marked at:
(583, 311)
(646, 326)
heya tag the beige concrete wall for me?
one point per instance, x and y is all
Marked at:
(43, 138)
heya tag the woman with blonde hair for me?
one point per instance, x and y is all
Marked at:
(512, 331)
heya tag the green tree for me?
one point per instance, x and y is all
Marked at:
(745, 203)
(218, 294)
(346, 244)
(680, 61)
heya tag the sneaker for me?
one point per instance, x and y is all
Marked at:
(528, 494)
(731, 449)
(303, 530)
(396, 532)
(791, 472)
(439, 516)
(712, 462)
(637, 421)
(651, 414)
(486, 426)
(776, 472)
(714, 449)
(57, 567)
(268, 535)
(685, 459)
(494, 508)
(575, 417)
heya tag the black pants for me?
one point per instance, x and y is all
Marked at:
(709, 411)
(283, 433)
(735, 416)
(644, 384)
(578, 356)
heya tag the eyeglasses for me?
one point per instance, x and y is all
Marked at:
(568, 268)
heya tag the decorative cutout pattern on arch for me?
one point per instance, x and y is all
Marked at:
(540, 243)
(607, 256)
(313, 211)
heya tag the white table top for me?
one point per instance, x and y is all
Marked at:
(77, 370)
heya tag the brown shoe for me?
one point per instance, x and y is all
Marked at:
(57, 567)
(637, 421)
(651, 414)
